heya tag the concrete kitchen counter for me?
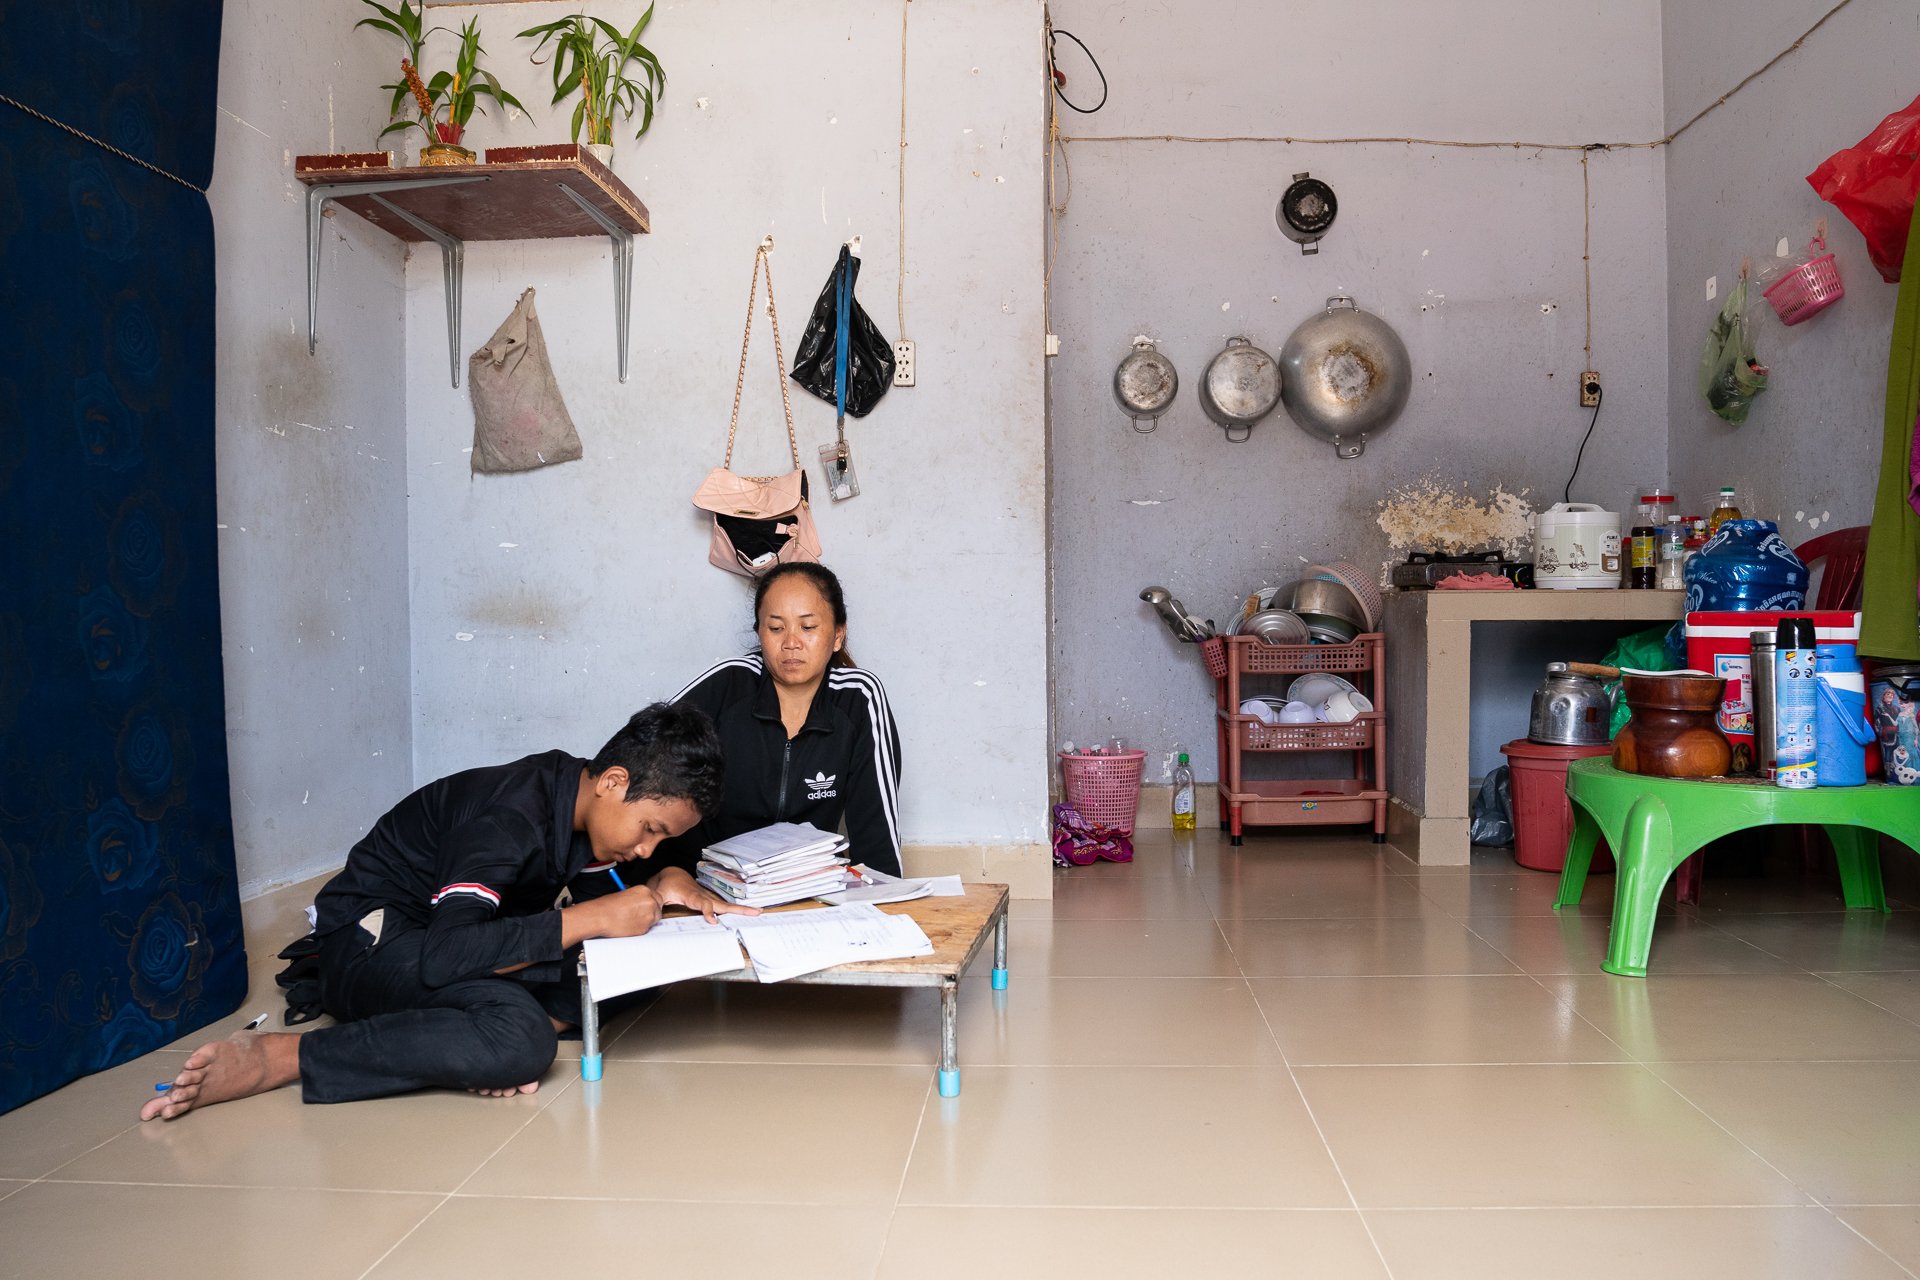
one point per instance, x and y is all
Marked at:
(1429, 663)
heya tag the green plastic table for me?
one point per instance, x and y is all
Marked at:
(1655, 824)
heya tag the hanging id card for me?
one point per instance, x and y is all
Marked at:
(836, 467)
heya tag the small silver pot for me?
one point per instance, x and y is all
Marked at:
(1145, 384)
(1570, 710)
(1241, 387)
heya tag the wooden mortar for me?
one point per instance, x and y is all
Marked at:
(1673, 733)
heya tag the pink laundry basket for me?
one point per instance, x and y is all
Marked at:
(1808, 289)
(1105, 789)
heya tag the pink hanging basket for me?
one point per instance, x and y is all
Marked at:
(1808, 289)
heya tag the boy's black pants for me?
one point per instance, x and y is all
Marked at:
(396, 1034)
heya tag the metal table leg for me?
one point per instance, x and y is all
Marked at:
(452, 251)
(950, 1038)
(622, 269)
(589, 1030)
(1000, 952)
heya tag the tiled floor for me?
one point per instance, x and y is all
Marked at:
(1304, 1057)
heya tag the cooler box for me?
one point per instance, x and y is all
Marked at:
(1722, 645)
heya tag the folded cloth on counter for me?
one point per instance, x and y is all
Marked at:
(1474, 582)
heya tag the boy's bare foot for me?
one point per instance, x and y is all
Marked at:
(532, 1086)
(246, 1063)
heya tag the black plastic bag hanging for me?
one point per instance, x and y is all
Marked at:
(869, 354)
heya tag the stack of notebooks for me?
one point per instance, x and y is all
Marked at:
(782, 863)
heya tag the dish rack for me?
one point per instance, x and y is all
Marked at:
(1358, 797)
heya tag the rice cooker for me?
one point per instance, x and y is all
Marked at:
(1576, 544)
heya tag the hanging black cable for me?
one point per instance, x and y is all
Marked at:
(1054, 34)
(1567, 494)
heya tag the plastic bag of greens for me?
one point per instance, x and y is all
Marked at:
(1731, 376)
(1643, 651)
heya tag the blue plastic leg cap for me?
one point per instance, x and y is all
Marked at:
(949, 1084)
(999, 979)
(590, 1068)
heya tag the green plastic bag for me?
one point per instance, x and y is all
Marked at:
(1643, 651)
(1731, 377)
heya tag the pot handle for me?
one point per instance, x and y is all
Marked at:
(1342, 449)
(1241, 341)
(1351, 305)
(1152, 422)
(1246, 433)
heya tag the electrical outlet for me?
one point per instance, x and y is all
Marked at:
(1589, 389)
(903, 363)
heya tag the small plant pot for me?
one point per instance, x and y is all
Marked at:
(436, 154)
(601, 151)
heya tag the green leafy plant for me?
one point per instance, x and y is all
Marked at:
(591, 56)
(454, 94)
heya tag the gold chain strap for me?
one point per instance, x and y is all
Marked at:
(763, 255)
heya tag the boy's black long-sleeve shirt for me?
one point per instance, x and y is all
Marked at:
(477, 859)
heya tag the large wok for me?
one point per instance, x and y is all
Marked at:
(1344, 376)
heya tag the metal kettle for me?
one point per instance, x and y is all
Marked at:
(1570, 710)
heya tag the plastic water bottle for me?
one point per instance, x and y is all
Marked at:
(1182, 795)
(1795, 704)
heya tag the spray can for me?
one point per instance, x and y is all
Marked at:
(1796, 764)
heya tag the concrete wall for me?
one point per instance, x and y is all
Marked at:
(1736, 185)
(549, 605)
(311, 453)
(1473, 255)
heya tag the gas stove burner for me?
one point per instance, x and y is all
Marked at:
(1424, 568)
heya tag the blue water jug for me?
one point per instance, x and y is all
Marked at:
(1842, 731)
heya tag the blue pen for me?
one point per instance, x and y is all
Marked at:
(617, 881)
(162, 1088)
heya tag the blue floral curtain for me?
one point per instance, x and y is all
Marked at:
(119, 912)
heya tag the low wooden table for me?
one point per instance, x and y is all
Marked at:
(957, 928)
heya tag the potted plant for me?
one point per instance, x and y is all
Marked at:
(591, 56)
(448, 100)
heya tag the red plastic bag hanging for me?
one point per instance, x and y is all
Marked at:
(1874, 184)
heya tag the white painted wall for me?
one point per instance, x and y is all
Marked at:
(1736, 183)
(548, 606)
(1473, 255)
(311, 453)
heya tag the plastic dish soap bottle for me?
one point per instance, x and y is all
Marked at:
(1182, 795)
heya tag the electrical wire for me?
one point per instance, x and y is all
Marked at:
(900, 281)
(1566, 495)
(1054, 33)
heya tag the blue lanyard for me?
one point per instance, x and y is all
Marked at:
(843, 308)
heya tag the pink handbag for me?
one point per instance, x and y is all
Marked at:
(759, 521)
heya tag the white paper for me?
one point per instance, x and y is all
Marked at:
(672, 951)
(791, 943)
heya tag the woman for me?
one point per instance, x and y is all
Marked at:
(807, 735)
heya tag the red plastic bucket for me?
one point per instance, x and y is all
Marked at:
(1542, 814)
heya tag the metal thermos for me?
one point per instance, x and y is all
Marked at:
(1765, 713)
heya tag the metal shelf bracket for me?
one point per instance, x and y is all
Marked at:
(452, 251)
(622, 241)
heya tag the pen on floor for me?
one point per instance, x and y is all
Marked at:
(256, 1024)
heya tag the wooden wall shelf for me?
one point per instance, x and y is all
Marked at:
(519, 193)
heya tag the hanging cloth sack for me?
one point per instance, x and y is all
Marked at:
(868, 354)
(759, 521)
(520, 423)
